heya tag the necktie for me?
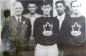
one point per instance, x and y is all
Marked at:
(19, 25)
(18, 20)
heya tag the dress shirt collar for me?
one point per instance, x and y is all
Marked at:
(16, 17)
(61, 17)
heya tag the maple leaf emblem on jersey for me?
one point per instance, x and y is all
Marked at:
(47, 29)
(48, 26)
(76, 29)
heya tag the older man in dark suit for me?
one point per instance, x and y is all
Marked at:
(19, 31)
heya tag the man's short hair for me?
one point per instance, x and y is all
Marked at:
(62, 2)
(46, 3)
(17, 2)
(30, 2)
(73, 2)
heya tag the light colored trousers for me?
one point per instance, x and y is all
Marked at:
(42, 50)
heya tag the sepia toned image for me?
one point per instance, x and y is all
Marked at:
(42, 28)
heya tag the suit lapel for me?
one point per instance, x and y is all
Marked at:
(63, 23)
(15, 21)
(22, 24)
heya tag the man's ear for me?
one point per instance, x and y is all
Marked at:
(28, 7)
(23, 8)
(56, 8)
(41, 8)
(36, 7)
(64, 7)
(51, 8)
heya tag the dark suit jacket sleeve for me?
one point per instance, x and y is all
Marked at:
(10, 29)
(36, 31)
(5, 31)
(28, 32)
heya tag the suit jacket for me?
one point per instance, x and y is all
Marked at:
(20, 30)
(32, 19)
(62, 36)
(19, 33)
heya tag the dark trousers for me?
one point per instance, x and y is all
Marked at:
(17, 48)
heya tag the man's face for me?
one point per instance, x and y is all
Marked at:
(18, 9)
(46, 9)
(32, 8)
(60, 8)
(75, 7)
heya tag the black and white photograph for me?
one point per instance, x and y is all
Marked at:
(42, 28)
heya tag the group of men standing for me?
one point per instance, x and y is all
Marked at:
(63, 34)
